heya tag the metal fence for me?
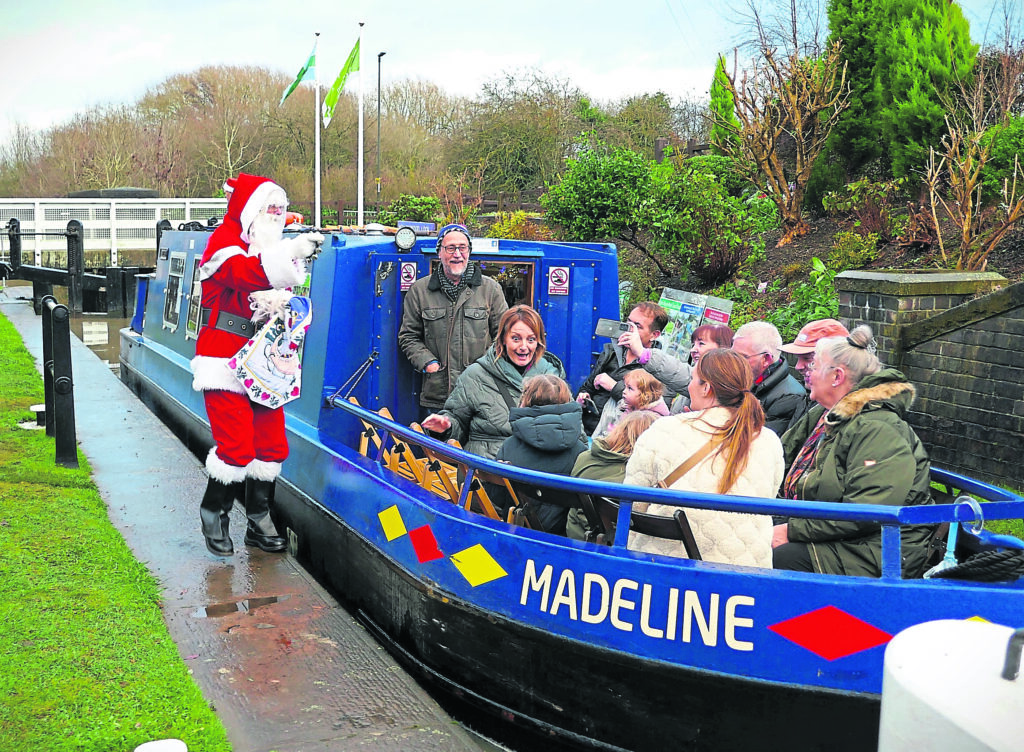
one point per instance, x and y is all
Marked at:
(111, 225)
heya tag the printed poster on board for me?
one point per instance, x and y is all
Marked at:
(687, 311)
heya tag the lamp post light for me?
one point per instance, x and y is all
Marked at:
(379, 56)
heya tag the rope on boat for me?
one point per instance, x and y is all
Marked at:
(987, 566)
(354, 379)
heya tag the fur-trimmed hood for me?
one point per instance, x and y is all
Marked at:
(887, 389)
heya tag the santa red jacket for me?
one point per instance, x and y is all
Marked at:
(230, 272)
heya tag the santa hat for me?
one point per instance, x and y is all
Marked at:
(229, 186)
(251, 194)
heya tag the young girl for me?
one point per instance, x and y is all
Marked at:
(641, 392)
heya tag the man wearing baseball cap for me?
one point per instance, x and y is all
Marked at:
(803, 345)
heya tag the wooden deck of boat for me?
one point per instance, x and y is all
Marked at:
(285, 666)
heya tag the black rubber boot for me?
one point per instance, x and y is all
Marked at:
(260, 531)
(213, 513)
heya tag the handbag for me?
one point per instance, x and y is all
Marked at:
(269, 366)
(690, 462)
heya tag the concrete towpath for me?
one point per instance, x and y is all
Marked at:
(285, 667)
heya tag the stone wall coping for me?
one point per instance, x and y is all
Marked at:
(911, 282)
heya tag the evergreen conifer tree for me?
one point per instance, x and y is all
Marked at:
(855, 140)
(923, 48)
(723, 110)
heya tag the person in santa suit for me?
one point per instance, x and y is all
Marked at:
(246, 273)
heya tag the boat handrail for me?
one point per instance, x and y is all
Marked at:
(1003, 504)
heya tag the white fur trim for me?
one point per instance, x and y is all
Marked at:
(221, 471)
(255, 203)
(260, 470)
(215, 261)
(280, 268)
(210, 374)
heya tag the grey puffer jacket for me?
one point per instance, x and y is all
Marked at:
(548, 439)
(454, 334)
(478, 410)
(868, 455)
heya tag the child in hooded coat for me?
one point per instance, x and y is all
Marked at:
(547, 436)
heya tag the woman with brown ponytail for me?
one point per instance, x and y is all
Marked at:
(739, 458)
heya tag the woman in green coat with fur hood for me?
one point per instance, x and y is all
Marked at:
(476, 412)
(855, 447)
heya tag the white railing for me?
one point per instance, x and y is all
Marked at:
(110, 224)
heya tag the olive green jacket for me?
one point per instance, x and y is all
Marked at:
(868, 455)
(454, 334)
(478, 410)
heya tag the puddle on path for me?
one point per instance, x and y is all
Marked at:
(244, 606)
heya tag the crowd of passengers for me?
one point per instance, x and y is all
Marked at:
(733, 420)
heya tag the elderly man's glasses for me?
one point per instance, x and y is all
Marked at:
(463, 249)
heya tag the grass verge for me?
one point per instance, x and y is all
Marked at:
(86, 662)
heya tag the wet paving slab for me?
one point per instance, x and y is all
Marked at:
(283, 664)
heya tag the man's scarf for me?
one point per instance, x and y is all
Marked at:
(454, 289)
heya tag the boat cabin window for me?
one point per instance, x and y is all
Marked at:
(195, 301)
(515, 278)
(173, 291)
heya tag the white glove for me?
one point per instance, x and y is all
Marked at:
(306, 244)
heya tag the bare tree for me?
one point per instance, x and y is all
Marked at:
(786, 98)
(955, 173)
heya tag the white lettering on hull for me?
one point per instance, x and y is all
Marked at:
(659, 615)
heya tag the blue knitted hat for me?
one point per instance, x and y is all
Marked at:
(453, 228)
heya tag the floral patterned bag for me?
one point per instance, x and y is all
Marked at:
(270, 364)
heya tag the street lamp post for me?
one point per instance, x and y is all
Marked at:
(379, 56)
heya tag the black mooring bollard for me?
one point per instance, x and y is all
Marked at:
(58, 384)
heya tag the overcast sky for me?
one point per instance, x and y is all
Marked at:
(59, 57)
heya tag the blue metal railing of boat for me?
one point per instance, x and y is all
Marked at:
(1002, 504)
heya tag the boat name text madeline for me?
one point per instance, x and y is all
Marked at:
(617, 603)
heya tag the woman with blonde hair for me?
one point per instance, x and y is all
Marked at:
(606, 461)
(723, 441)
(854, 446)
(476, 413)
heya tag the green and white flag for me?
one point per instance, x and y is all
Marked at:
(352, 64)
(308, 71)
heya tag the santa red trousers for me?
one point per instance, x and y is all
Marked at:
(243, 430)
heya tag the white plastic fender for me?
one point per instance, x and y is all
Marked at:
(943, 690)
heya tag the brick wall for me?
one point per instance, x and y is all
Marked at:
(959, 337)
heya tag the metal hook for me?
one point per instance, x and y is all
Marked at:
(979, 516)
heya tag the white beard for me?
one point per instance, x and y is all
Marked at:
(266, 232)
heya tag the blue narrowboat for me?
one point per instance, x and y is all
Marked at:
(585, 642)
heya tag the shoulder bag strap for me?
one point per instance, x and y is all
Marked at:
(694, 458)
(505, 394)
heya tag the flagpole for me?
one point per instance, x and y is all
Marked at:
(359, 215)
(316, 146)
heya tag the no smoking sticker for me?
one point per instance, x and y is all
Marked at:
(408, 275)
(558, 280)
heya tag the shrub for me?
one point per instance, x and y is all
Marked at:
(826, 177)
(518, 226)
(723, 169)
(1006, 142)
(814, 299)
(764, 212)
(412, 209)
(870, 203)
(852, 250)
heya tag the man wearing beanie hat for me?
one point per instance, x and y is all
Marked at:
(247, 266)
(803, 345)
(449, 318)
